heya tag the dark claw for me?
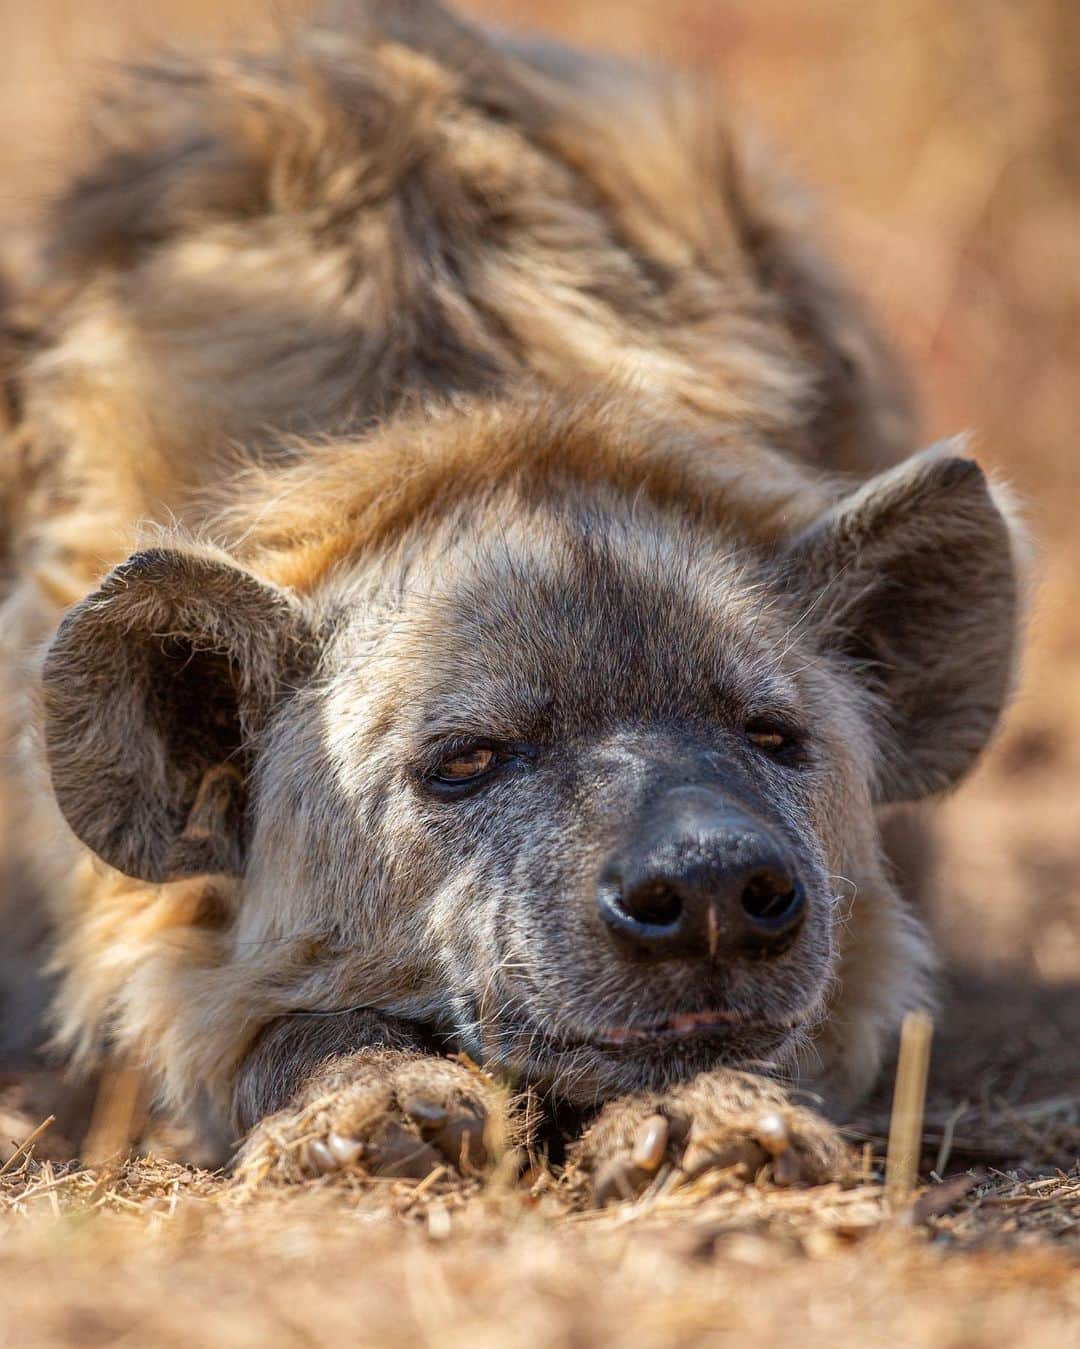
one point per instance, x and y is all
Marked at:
(429, 1115)
(679, 1126)
(461, 1140)
(400, 1153)
(786, 1169)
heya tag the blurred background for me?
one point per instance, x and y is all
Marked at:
(942, 139)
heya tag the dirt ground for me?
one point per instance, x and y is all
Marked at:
(941, 137)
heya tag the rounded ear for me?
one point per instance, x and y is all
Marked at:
(914, 578)
(153, 688)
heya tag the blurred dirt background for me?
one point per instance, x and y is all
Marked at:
(942, 139)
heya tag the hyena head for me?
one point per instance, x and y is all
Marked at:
(580, 772)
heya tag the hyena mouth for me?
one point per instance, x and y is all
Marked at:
(686, 1026)
(725, 1034)
(718, 1031)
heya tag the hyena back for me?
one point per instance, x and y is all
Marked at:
(540, 618)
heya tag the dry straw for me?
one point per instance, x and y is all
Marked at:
(23, 1150)
(909, 1099)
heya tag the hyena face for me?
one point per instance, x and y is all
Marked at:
(586, 777)
(578, 780)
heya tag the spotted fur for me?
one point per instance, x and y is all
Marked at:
(405, 384)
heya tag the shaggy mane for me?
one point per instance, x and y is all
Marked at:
(341, 499)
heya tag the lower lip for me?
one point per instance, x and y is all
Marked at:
(678, 1027)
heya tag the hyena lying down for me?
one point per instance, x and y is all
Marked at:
(541, 619)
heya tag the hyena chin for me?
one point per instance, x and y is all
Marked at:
(547, 641)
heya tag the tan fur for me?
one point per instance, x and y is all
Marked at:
(307, 306)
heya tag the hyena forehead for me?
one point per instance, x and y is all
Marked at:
(550, 620)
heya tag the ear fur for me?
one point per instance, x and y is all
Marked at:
(152, 691)
(915, 578)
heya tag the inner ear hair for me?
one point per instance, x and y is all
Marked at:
(214, 838)
(154, 690)
(913, 578)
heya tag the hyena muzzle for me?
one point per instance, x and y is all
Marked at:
(545, 624)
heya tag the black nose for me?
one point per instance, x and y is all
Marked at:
(702, 881)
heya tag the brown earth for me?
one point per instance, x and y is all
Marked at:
(942, 136)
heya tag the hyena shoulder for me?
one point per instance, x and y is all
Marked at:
(279, 244)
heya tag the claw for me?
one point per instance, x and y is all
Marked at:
(400, 1153)
(619, 1179)
(345, 1150)
(427, 1113)
(460, 1137)
(321, 1156)
(771, 1131)
(786, 1169)
(461, 1140)
(650, 1143)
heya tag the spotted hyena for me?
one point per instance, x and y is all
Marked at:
(469, 599)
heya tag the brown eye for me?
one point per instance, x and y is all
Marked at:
(465, 766)
(472, 767)
(770, 740)
(772, 737)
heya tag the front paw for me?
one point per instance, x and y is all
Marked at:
(731, 1122)
(382, 1113)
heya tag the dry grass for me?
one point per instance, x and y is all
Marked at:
(158, 1254)
(942, 135)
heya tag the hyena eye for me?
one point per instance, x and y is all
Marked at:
(773, 737)
(471, 766)
(465, 766)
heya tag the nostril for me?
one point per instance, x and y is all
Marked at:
(654, 903)
(772, 901)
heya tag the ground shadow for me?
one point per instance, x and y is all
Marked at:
(1004, 1087)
